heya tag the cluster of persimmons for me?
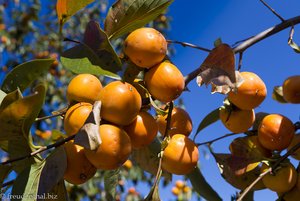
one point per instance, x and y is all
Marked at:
(125, 124)
(275, 132)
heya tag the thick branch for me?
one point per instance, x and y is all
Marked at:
(265, 34)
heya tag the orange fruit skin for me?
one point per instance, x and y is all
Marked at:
(181, 122)
(76, 116)
(164, 81)
(84, 88)
(175, 191)
(180, 156)
(276, 132)
(295, 140)
(282, 181)
(250, 94)
(142, 130)
(180, 184)
(127, 164)
(237, 121)
(291, 89)
(79, 169)
(145, 47)
(121, 103)
(114, 149)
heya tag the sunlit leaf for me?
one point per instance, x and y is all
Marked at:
(294, 45)
(40, 178)
(209, 119)
(201, 186)
(147, 158)
(24, 74)
(10, 98)
(17, 118)
(153, 194)
(2, 95)
(218, 69)
(81, 59)
(97, 40)
(66, 8)
(111, 179)
(126, 15)
(234, 171)
(278, 95)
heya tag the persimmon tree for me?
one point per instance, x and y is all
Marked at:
(82, 111)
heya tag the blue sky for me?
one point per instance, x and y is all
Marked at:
(201, 23)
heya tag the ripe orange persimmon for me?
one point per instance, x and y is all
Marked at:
(175, 191)
(121, 103)
(291, 89)
(296, 154)
(76, 116)
(237, 120)
(180, 184)
(250, 93)
(164, 82)
(180, 156)
(114, 149)
(145, 47)
(276, 132)
(283, 180)
(79, 169)
(84, 88)
(142, 130)
(127, 164)
(181, 122)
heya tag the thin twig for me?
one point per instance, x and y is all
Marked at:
(219, 138)
(184, 44)
(48, 117)
(270, 170)
(272, 10)
(41, 149)
(7, 183)
(240, 61)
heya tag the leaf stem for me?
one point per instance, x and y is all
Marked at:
(41, 149)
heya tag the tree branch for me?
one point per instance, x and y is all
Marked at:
(272, 10)
(216, 139)
(44, 148)
(184, 44)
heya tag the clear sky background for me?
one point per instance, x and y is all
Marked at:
(201, 23)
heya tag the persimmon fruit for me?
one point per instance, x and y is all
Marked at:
(145, 47)
(120, 103)
(180, 156)
(237, 120)
(250, 94)
(142, 130)
(275, 132)
(283, 180)
(164, 81)
(181, 122)
(76, 116)
(114, 149)
(84, 88)
(79, 169)
(291, 89)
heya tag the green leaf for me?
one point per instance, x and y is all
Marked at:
(278, 94)
(97, 40)
(209, 119)
(201, 186)
(67, 8)
(294, 45)
(10, 98)
(81, 59)
(127, 15)
(58, 192)
(24, 74)
(111, 179)
(147, 158)
(40, 178)
(17, 117)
